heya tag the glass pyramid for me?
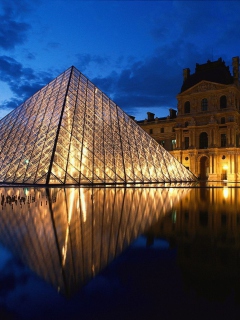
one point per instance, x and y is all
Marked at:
(70, 132)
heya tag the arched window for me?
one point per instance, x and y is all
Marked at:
(204, 104)
(203, 140)
(187, 107)
(223, 102)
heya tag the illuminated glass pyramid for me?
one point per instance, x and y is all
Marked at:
(70, 132)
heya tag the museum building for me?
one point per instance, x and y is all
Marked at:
(203, 134)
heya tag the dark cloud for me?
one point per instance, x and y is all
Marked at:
(30, 56)
(11, 104)
(84, 60)
(23, 82)
(12, 275)
(155, 81)
(152, 82)
(12, 30)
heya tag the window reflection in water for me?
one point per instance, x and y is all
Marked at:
(204, 226)
(67, 236)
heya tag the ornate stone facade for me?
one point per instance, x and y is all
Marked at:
(204, 134)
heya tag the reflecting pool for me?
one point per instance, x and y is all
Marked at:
(120, 253)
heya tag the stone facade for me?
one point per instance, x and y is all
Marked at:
(204, 133)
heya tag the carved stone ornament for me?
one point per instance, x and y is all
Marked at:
(192, 122)
(205, 86)
(212, 120)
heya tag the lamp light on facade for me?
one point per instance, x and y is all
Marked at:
(225, 167)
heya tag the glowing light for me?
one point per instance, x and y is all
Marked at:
(225, 167)
(64, 248)
(83, 205)
(225, 192)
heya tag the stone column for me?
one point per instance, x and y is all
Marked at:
(190, 139)
(233, 137)
(194, 138)
(178, 139)
(215, 164)
(228, 137)
(211, 161)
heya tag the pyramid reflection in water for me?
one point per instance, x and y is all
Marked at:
(69, 235)
(70, 132)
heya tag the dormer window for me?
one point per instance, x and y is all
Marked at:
(204, 104)
(187, 107)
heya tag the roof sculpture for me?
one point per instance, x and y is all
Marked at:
(70, 132)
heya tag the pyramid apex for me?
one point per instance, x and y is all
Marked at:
(69, 133)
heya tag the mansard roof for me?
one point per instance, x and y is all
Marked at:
(215, 71)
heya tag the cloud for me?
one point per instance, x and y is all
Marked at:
(84, 60)
(13, 273)
(151, 82)
(23, 82)
(12, 31)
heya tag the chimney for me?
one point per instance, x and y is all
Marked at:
(186, 74)
(235, 63)
(172, 113)
(150, 116)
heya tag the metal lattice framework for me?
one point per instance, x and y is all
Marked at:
(70, 132)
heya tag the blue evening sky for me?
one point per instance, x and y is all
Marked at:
(134, 51)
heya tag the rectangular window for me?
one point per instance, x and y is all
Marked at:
(162, 130)
(223, 140)
(186, 142)
(150, 131)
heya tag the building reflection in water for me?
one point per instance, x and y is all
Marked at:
(68, 235)
(205, 228)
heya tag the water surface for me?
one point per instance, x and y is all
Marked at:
(117, 253)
